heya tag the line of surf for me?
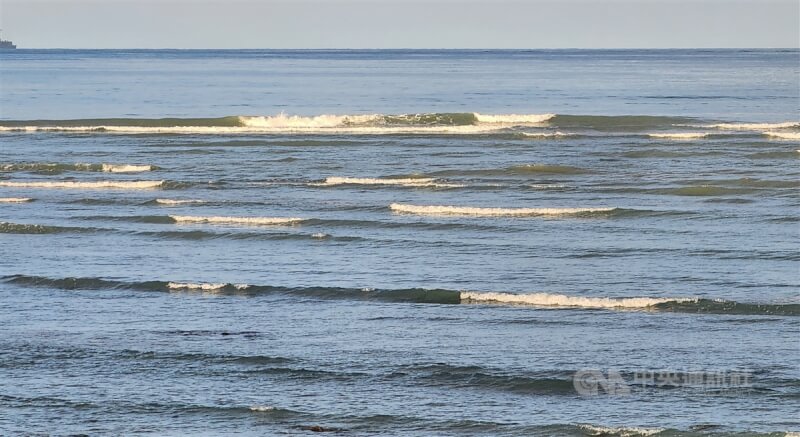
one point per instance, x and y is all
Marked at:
(50, 167)
(438, 210)
(131, 185)
(562, 300)
(424, 295)
(783, 135)
(227, 220)
(679, 135)
(404, 182)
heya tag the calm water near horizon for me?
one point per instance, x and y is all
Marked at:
(400, 242)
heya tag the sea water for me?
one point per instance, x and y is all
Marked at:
(566, 242)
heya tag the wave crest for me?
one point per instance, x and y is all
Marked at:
(405, 182)
(173, 202)
(756, 126)
(679, 136)
(490, 212)
(513, 118)
(204, 286)
(547, 299)
(132, 185)
(253, 221)
(784, 135)
(126, 168)
(53, 167)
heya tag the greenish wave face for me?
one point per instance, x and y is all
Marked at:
(410, 295)
(443, 119)
(230, 121)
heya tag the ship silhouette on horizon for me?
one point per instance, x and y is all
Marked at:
(6, 44)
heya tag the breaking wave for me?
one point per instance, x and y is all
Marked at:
(491, 212)
(459, 123)
(422, 295)
(513, 118)
(679, 135)
(430, 123)
(15, 199)
(557, 134)
(404, 182)
(173, 202)
(546, 299)
(128, 185)
(203, 286)
(784, 135)
(53, 168)
(606, 431)
(127, 168)
(22, 228)
(251, 221)
(756, 126)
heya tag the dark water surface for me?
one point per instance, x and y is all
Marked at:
(400, 242)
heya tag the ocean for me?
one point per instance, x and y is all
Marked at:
(400, 242)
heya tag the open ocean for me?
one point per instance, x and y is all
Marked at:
(416, 243)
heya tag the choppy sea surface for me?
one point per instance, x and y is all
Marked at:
(503, 243)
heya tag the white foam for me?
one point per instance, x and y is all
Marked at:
(513, 118)
(203, 286)
(360, 124)
(547, 299)
(679, 136)
(262, 408)
(408, 182)
(320, 235)
(478, 211)
(224, 130)
(756, 126)
(15, 199)
(557, 134)
(178, 201)
(548, 186)
(133, 185)
(784, 135)
(126, 168)
(283, 121)
(253, 221)
(621, 431)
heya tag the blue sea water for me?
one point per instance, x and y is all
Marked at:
(542, 242)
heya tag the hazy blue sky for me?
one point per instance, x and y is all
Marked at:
(401, 23)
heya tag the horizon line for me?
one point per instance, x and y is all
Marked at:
(406, 48)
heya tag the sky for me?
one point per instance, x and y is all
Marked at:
(308, 24)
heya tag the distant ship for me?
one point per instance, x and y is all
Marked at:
(6, 44)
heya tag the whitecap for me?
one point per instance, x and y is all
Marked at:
(562, 300)
(756, 126)
(784, 135)
(557, 134)
(126, 168)
(204, 286)
(679, 136)
(621, 431)
(407, 182)
(481, 211)
(133, 185)
(513, 118)
(171, 202)
(253, 221)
